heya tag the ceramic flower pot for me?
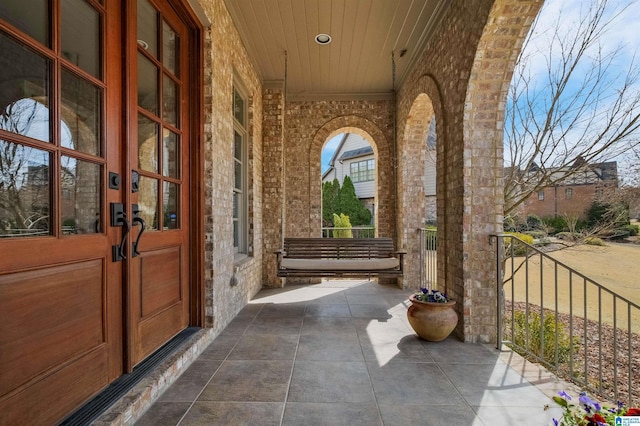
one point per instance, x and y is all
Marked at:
(432, 321)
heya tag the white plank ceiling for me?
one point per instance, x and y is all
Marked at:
(356, 64)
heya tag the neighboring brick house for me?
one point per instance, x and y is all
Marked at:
(574, 194)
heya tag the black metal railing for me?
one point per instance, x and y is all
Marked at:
(576, 327)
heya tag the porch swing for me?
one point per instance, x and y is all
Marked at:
(339, 257)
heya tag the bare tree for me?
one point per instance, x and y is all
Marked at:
(582, 105)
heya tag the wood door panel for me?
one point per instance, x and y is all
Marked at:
(160, 280)
(159, 330)
(53, 315)
(49, 400)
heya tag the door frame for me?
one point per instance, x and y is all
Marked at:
(195, 96)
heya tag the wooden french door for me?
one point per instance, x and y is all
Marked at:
(60, 129)
(84, 166)
(158, 305)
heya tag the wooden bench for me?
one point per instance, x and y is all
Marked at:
(339, 257)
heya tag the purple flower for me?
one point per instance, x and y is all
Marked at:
(588, 403)
(565, 395)
(555, 422)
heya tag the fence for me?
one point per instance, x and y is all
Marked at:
(574, 326)
(428, 258)
(356, 232)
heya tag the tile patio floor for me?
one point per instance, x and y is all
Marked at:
(343, 353)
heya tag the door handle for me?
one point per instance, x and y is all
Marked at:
(119, 218)
(143, 225)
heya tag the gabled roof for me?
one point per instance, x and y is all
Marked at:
(354, 153)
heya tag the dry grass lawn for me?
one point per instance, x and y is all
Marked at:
(615, 266)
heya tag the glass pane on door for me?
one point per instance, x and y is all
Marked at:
(25, 191)
(147, 84)
(171, 154)
(24, 90)
(170, 102)
(81, 36)
(148, 27)
(170, 49)
(170, 208)
(30, 16)
(148, 134)
(80, 196)
(148, 202)
(81, 112)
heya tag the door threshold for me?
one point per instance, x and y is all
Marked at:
(124, 384)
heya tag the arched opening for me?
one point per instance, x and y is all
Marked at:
(384, 220)
(349, 186)
(418, 204)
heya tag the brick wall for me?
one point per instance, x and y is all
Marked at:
(557, 203)
(465, 73)
(226, 59)
(462, 78)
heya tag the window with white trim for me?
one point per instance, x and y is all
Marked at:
(240, 199)
(362, 171)
(541, 195)
(568, 193)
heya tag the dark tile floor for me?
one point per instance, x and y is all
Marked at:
(343, 353)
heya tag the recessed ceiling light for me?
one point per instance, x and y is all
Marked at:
(323, 39)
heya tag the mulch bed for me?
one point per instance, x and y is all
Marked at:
(600, 355)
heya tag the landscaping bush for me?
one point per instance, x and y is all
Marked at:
(556, 224)
(543, 242)
(632, 229)
(515, 247)
(615, 234)
(542, 337)
(617, 215)
(536, 234)
(594, 241)
(534, 223)
(342, 221)
(569, 236)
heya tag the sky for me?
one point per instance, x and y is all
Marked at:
(328, 150)
(621, 34)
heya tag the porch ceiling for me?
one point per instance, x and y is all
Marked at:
(357, 62)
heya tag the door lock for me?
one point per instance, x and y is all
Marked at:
(119, 218)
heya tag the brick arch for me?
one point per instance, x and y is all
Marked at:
(482, 200)
(423, 102)
(385, 197)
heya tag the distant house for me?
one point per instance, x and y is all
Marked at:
(574, 194)
(354, 157)
(430, 174)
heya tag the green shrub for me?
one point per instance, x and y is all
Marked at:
(615, 234)
(632, 229)
(536, 234)
(569, 236)
(541, 340)
(515, 247)
(616, 214)
(594, 241)
(534, 223)
(342, 221)
(543, 242)
(556, 224)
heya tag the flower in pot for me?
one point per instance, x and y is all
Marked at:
(431, 315)
(590, 412)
